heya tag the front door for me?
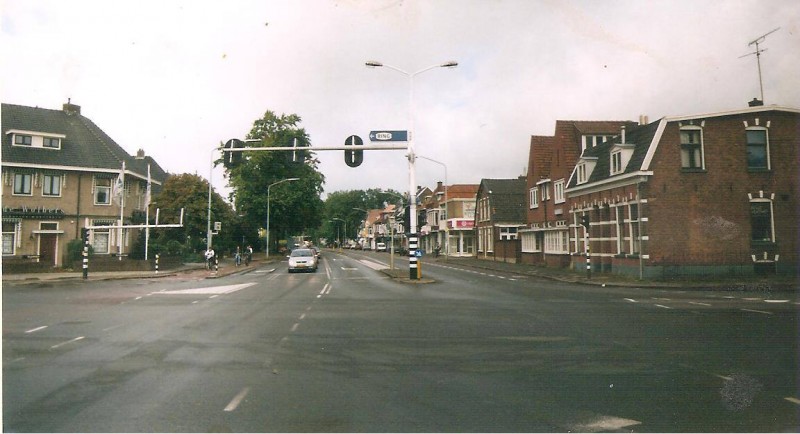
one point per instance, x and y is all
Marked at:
(47, 248)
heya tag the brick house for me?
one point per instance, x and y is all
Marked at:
(551, 159)
(59, 172)
(706, 194)
(499, 214)
(450, 220)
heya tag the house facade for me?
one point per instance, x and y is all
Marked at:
(545, 239)
(499, 215)
(706, 194)
(60, 174)
(450, 220)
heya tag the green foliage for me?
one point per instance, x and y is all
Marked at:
(190, 192)
(75, 249)
(294, 207)
(343, 213)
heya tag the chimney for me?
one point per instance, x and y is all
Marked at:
(623, 134)
(71, 109)
(644, 119)
(755, 102)
(438, 185)
(140, 154)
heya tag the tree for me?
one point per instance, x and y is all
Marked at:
(342, 205)
(190, 192)
(295, 207)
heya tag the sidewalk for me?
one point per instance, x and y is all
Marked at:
(733, 283)
(195, 270)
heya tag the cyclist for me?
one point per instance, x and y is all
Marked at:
(210, 258)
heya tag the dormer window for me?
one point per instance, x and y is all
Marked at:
(35, 139)
(583, 171)
(590, 141)
(620, 156)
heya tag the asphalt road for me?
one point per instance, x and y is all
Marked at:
(349, 349)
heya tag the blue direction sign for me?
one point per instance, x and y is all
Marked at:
(388, 136)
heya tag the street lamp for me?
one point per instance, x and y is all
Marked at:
(337, 231)
(268, 187)
(412, 177)
(446, 229)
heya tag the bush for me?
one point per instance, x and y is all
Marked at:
(75, 250)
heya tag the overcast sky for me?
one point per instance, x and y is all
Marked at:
(177, 77)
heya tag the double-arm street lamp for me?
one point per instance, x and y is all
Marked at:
(337, 231)
(413, 240)
(268, 188)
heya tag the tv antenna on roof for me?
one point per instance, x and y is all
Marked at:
(758, 52)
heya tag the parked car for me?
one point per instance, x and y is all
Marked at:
(380, 247)
(302, 260)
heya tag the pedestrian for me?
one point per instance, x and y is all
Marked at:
(238, 256)
(248, 255)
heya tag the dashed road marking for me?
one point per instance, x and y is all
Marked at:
(757, 311)
(793, 400)
(67, 342)
(36, 329)
(237, 399)
(662, 306)
(698, 303)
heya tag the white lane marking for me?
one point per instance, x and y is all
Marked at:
(302, 317)
(112, 327)
(723, 377)
(265, 271)
(295, 326)
(373, 265)
(662, 299)
(225, 289)
(792, 400)
(699, 304)
(67, 342)
(327, 288)
(757, 311)
(237, 399)
(18, 359)
(776, 301)
(36, 329)
(349, 269)
(662, 306)
(630, 300)
(604, 424)
(214, 296)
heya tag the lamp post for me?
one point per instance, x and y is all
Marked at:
(337, 231)
(268, 188)
(412, 177)
(446, 231)
(210, 234)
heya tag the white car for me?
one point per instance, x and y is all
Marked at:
(302, 260)
(380, 247)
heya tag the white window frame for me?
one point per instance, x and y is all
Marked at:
(54, 181)
(581, 173)
(616, 162)
(13, 236)
(556, 242)
(685, 151)
(558, 191)
(533, 197)
(96, 189)
(47, 141)
(771, 220)
(508, 232)
(766, 148)
(22, 140)
(22, 176)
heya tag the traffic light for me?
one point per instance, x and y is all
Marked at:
(353, 158)
(85, 235)
(232, 159)
(585, 221)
